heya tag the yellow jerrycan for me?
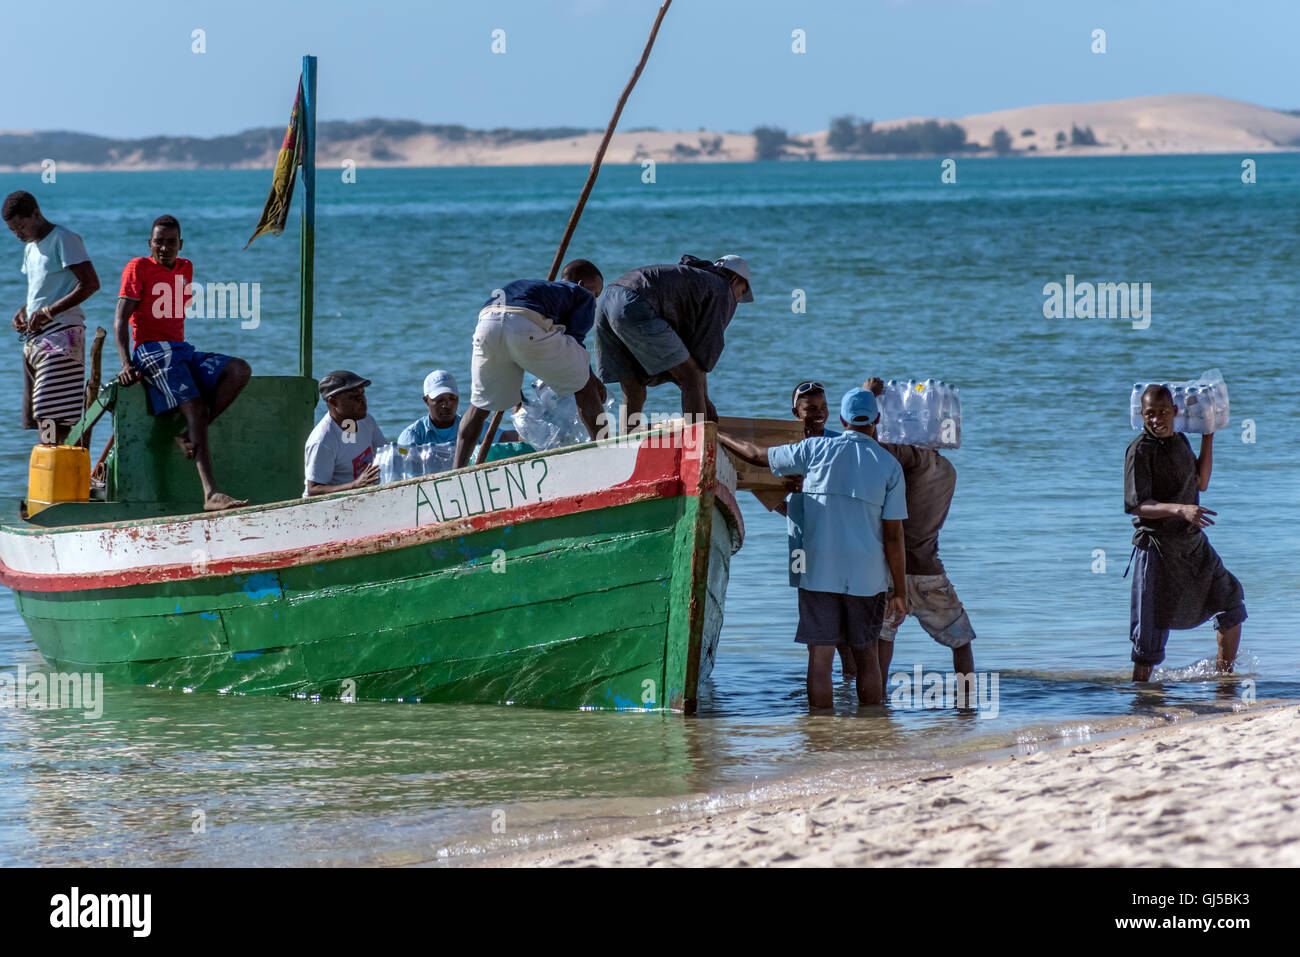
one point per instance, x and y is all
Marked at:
(58, 473)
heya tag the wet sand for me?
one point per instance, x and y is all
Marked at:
(1221, 792)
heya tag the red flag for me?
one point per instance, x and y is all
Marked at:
(290, 158)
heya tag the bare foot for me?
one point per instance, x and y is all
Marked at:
(220, 501)
(186, 445)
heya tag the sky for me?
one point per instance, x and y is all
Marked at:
(130, 70)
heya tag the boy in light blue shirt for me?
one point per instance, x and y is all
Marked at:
(442, 424)
(854, 503)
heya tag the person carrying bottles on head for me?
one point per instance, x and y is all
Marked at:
(538, 326)
(1178, 579)
(931, 481)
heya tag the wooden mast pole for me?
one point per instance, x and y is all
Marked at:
(307, 238)
(495, 422)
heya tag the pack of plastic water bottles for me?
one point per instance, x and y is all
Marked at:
(397, 462)
(921, 412)
(548, 421)
(1202, 403)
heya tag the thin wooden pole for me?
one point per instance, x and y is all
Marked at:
(307, 238)
(582, 197)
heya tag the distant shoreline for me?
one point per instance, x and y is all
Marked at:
(1078, 154)
(1168, 125)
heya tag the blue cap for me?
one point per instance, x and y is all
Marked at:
(858, 407)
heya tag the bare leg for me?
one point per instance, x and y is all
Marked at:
(695, 388)
(884, 654)
(1141, 672)
(471, 424)
(633, 399)
(848, 665)
(820, 660)
(963, 660)
(1228, 642)
(591, 408)
(871, 685)
(230, 383)
(197, 417)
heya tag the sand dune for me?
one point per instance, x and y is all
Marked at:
(1176, 123)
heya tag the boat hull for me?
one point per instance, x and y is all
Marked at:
(607, 599)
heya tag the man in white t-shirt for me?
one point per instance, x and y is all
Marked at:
(340, 453)
(60, 277)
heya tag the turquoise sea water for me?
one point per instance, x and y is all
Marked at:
(903, 276)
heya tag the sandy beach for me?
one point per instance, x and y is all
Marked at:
(1219, 792)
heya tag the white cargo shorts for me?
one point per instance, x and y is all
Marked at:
(510, 340)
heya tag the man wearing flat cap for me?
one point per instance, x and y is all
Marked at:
(851, 563)
(340, 453)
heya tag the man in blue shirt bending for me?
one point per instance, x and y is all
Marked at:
(851, 565)
(536, 326)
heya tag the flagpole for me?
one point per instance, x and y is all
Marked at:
(307, 239)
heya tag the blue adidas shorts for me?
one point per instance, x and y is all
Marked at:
(175, 372)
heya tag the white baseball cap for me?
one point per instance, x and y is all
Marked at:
(439, 382)
(741, 269)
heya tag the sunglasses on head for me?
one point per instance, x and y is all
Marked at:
(803, 388)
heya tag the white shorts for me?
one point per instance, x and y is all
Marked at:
(510, 341)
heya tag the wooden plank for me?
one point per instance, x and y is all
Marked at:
(767, 488)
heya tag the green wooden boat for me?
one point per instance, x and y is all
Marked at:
(585, 577)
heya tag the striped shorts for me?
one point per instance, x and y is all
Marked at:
(56, 362)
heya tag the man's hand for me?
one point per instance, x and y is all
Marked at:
(875, 386)
(129, 375)
(39, 319)
(1197, 515)
(896, 611)
(368, 477)
(20, 319)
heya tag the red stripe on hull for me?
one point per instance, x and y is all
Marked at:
(658, 473)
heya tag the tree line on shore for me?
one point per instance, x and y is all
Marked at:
(849, 134)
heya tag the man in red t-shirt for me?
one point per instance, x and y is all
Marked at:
(201, 385)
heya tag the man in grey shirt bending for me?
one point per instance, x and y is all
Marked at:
(665, 323)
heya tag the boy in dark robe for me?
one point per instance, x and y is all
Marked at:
(1178, 579)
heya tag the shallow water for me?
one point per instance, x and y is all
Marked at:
(903, 277)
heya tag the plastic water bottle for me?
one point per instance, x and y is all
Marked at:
(440, 457)
(1135, 405)
(911, 418)
(891, 410)
(1220, 405)
(406, 463)
(946, 423)
(930, 417)
(1178, 394)
(384, 461)
(954, 399)
(1195, 409)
